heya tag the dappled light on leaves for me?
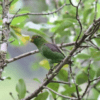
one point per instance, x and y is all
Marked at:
(44, 63)
(21, 38)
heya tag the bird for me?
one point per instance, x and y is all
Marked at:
(49, 50)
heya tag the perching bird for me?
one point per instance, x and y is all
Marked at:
(48, 50)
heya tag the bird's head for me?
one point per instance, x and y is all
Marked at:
(37, 40)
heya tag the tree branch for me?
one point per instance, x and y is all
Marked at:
(89, 82)
(35, 51)
(43, 13)
(45, 87)
(65, 60)
(95, 79)
(5, 35)
(96, 1)
(62, 82)
(89, 88)
(77, 17)
(77, 91)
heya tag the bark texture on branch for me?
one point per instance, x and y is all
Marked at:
(5, 34)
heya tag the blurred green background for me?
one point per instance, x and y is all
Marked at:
(23, 68)
(66, 29)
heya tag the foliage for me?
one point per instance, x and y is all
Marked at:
(21, 88)
(64, 28)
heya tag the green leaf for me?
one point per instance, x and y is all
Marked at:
(16, 42)
(22, 11)
(95, 54)
(83, 56)
(70, 13)
(86, 14)
(63, 75)
(42, 96)
(58, 22)
(21, 88)
(35, 65)
(70, 89)
(55, 87)
(98, 72)
(20, 39)
(37, 31)
(72, 20)
(9, 78)
(13, 2)
(98, 8)
(97, 59)
(92, 73)
(8, 55)
(62, 26)
(91, 18)
(81, 78)
(95, 94)
(19, 20)
(97, 40)
(44, 63)
(32, 25)
(13, 34)
(92, 51)
(37, 80)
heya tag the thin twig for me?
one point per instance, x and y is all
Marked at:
(81, 49)
(96, 1)
(53, 38)
(11, 95)
(93, 45)
(93, 86)
(62, 82)
(43, 13)
(14, 16)
(88, 70)
(89, 82)
(22, 55)
(96, 89)
(78, 95)
(86, 89)
(77, 18)
(72, 3)
(95, 79)
(45, 87)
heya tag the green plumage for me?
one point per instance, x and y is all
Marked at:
(48, 50)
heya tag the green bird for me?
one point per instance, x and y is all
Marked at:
(48, 50)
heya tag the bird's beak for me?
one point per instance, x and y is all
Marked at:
(31, 40)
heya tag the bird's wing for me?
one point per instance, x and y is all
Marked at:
(53, 47)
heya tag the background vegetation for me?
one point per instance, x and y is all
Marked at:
(63, 22)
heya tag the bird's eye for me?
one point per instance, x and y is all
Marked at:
(36, 37)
